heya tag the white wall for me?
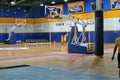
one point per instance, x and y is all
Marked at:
(6, 28)
(110, 24)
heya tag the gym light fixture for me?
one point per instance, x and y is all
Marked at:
(65, 0)
(53, 2)
(41, 4)
(12, 3)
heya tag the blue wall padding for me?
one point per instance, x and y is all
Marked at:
(3, 37)
(57, 36)
(38, 12)
(65, 8)
(42, 36)
(109, 36)
(15, 12)
(107, 5)
(92, 36)
(87, 6)
(20, 36)
(12, 39)
(25, 36)
(76, 49)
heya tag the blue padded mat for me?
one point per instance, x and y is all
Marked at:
(44, 73)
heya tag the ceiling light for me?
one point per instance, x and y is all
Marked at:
(6, 14)
(65, 0)
(14, 12)
(92, 2)
(12, 3)
(53, 2)
(24, 10)
(41, 4)
(18, 7)
(8, 10)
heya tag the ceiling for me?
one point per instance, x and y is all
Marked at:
(32, 3)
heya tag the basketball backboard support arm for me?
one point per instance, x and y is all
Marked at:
(70, 17)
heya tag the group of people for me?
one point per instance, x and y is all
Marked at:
(75, 8)
(116, 4)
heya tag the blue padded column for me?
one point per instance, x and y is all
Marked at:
(99, 29)
(99, 33)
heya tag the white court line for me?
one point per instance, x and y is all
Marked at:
(14, 48)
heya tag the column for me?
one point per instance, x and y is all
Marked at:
(99, 41)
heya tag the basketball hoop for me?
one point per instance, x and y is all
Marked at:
(90, 20)
(20, 23)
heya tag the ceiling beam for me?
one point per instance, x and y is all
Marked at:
(7, 5)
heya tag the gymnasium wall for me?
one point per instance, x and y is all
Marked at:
(111, 26)
(39, 27)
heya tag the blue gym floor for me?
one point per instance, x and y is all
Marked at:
(45, 73)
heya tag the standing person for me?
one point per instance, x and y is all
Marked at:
(64, 38)
(76, 8)
(117, 45)
(80, 9)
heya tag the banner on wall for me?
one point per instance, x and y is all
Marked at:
(115, 4)
(53, 11)
(76, 7)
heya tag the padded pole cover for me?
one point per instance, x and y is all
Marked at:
(99, 33)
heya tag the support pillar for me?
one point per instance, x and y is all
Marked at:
(99, 41)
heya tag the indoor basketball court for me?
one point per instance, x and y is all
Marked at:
(60, 39)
